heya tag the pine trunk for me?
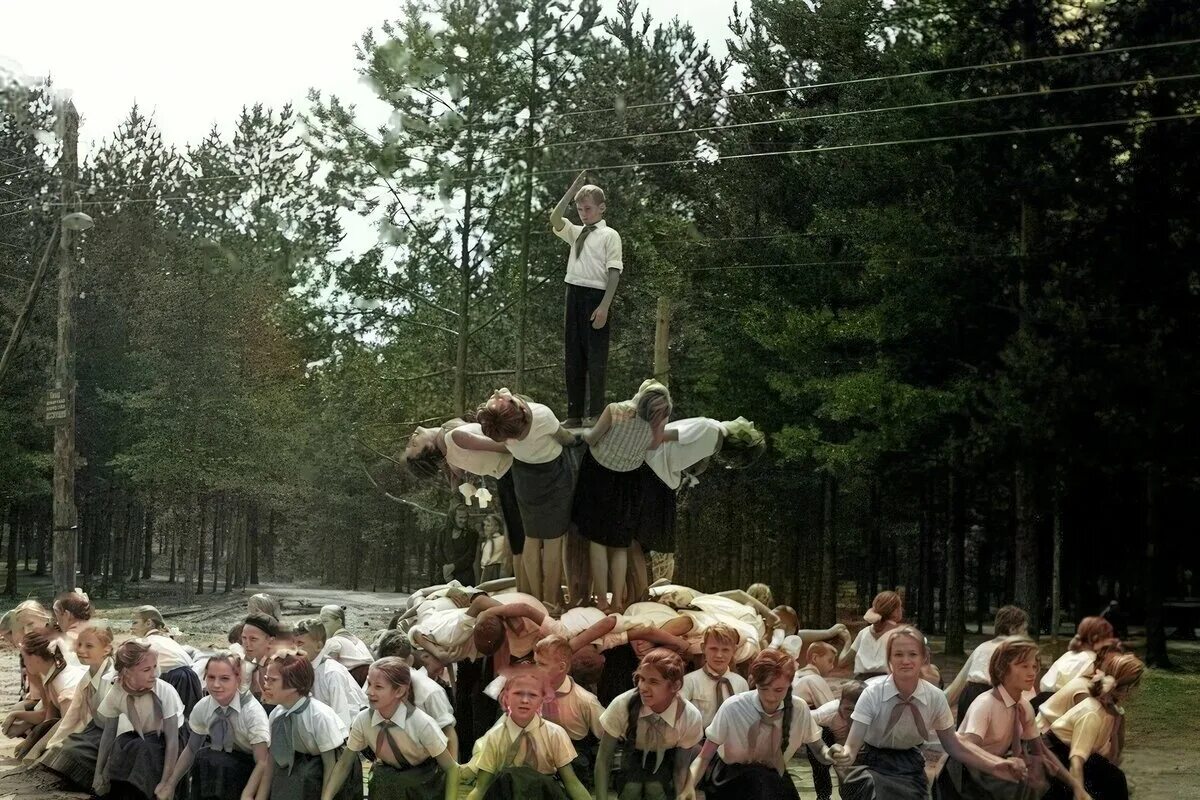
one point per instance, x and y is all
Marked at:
(1156, 634)
(1025, 547)
(956, 530)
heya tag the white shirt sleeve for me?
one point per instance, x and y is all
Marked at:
(327, 729)
(254, 717)
(615, 718)
(569, 232)
(200, 720)
(691, 730)
(718, 729)
(425, 732)
(437, 706)
(612, 251)
(360, 732)
(172, 706)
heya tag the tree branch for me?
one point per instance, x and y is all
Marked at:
(496, 314)
(396, 499)
(434, 374)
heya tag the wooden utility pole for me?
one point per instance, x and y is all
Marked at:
(662, 330)
(66, 533)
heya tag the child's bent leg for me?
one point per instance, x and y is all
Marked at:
(598, 558)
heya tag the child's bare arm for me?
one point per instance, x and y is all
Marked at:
(600, 315)
(591, 634)
(556, 215)
(596, 433)
(473, 441)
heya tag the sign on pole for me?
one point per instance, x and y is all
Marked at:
(58, 407)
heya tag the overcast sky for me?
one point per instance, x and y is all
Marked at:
(195, 64)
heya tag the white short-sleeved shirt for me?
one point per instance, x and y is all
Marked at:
(977, 662)
(731, 727)
(115, 706)
(577, 620)
(552, 745)
(577, 710)
(685, 726)
(316, 728)
(1062, 701)
(811, 687)
(601, 252)
(698, 439)
(62, 688)
(484, 463)
(874, 709)
(452, 629)
(870, 654)
(429, 696)
(539, 445)
(1087, 728)
(1069, 665)
(79, 714)
(335, 687)
(731, 612)
(649, 614)
(171, 653)
(701, 691)
(993, 717)
(416, 734)
(248, 720)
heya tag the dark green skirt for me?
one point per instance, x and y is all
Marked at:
(523, 783)
(425, 780)
(653, 782)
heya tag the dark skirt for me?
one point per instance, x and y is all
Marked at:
(885, 774)
(136, 762)
(359, 673)
(76, 759)
(303, 781)
(606, 503)
(742, 781)
(1102, 779)
(544, 496)
(514, 531)
(655, 528)
(637, 767)
(418, 782)
(217, 775)
(523, 783)
(960, 782)
(968, 696)
(187, 684)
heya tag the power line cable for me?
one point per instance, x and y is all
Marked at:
(902, 75)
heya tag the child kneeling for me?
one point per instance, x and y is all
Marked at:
(412, 761)
(524, 756)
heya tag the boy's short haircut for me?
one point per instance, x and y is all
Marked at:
(590, 192)
(555, 646)
(723, 634)
(587, 664)
(852, 691)
(295, 672)
(235, 633)
(267, 625)
(393, 643)
(819, 648)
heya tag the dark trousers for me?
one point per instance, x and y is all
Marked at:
(586, 351)
(822, 780)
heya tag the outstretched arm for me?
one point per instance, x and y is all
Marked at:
(556, 215)
(341, 771)
(591, 634)
(660, 638)
(604, 755)
(473, 441)
(596, 433)
(571, 784)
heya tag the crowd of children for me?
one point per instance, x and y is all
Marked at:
(556, 659)
(683, 695)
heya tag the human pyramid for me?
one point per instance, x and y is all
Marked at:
(611, 685)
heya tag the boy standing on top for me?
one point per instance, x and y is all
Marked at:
(593, 271)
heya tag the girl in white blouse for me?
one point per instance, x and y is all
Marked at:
(755, 734)
(1080, 658)
(227, 751)
(542, 480)
(659, 729)
(174, 661)
(868, 653)
(306, 736)
(72, 749)
(412, 761)
(891, 721)
(142, 716)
